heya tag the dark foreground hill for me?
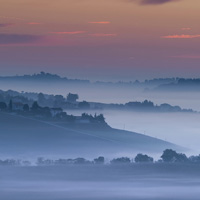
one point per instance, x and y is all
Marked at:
(20, 136)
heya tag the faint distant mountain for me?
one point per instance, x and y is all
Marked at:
(142, 84)
(42, 76)
(160, 81)
(48, 77)
(181, 85)
(145, 106)
(157, 84)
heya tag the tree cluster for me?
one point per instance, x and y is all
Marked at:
(168, 156)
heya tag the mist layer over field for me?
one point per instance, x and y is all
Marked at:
(121, 182)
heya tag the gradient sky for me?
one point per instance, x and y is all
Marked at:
(100, 39)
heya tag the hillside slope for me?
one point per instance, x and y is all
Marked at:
(20, 136)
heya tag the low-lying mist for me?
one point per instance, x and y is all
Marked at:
(141, 182)
(179, 128)
(109, 93)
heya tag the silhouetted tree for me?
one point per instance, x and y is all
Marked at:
(35, 106)
(99, 118)
(59, 100)
(147, 103)
(170, 155)
(10, 162)
(99, 160)
(72, 97)
(140, 158)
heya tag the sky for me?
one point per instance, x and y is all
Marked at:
(100, 39)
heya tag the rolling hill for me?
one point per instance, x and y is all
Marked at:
(20, 136)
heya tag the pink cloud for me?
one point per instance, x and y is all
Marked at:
(34, 23)
(181, 36)
(69, 33)
(103, 35)
(101, 22)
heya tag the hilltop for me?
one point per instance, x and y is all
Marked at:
(48, 77)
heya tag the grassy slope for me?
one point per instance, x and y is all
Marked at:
(22, 136)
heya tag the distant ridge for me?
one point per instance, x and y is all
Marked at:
(156, 84)
(42, 76)
(181, 85)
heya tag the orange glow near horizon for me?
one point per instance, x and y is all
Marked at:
(69, 33)
(99, 33)
(103, 35)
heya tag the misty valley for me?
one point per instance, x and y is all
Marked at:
(99, 100)
(75, 139)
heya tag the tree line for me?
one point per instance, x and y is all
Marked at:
(168, 156)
